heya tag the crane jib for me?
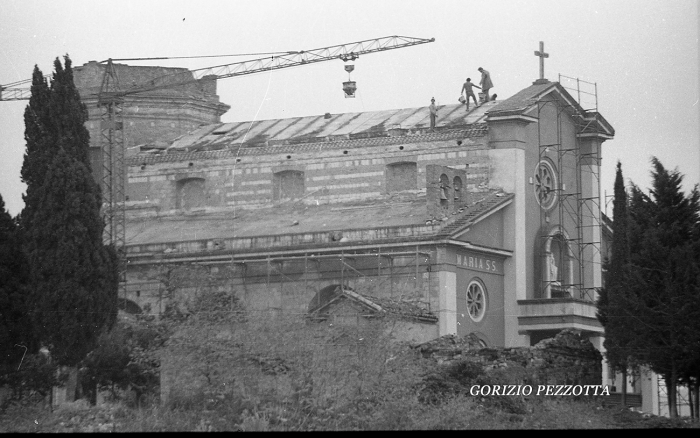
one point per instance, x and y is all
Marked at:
(111, 99)
(344, 52)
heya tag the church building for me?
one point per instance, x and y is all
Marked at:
(490, 222)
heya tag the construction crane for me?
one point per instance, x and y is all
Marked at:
(111, 99)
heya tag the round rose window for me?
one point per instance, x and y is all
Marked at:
(476, 301)
(546, 185)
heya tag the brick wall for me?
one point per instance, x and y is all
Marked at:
(159, 115)
(154, 117)
(331, 175)
(446, 190)
(401, 176)
(287, 184)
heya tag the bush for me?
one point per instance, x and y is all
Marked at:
(450, 380)
(126, 358)
(34, 378)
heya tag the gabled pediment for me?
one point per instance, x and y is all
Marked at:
(523, 106)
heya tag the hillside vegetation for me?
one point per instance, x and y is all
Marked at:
(222, 371)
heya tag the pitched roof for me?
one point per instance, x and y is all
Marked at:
(258, 136)
(377, 305)
(220, 151)
(390, 218)
(310, 129)
(524, 102)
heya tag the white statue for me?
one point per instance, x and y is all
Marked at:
(553, 269)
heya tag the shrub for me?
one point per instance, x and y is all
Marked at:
(126, 358)
(450, 380)
(34, 378)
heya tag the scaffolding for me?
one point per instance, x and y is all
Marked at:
(569, 218)
(389, 272)
(682, 398)
(587, 98)
(114, 169)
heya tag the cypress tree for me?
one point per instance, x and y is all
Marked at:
(665, 278)
(73, 275)
(68, 113)
(38, 134)
(613, 303)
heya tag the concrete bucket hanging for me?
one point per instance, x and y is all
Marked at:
(349, 87)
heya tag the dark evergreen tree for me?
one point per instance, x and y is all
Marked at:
(73, 275)
(664, 277)
(54, 112)
(613, 299)
(68, 113)
(16, 334)
(38, 134)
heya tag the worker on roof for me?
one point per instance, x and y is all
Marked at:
(467, 89)
(433, 113)
(485, 83)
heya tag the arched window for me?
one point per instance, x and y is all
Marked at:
(558, 266)
(476, 300)
(401, 176)
(128, 306)
(458, 189)
(445, 191)
(287, 184)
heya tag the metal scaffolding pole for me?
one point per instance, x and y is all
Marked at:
(114, 169)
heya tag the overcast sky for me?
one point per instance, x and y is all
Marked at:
(642, 54)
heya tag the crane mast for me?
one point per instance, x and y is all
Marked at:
(111, 100)
(113, 168)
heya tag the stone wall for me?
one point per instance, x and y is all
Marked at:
(154, 115)
(287, 287)
(568, 358)
(67, 392)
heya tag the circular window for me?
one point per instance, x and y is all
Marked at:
(476, 301)
(546, 185)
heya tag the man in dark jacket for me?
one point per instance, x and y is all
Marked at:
(485, 83)
(467, 88)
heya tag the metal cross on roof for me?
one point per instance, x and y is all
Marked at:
(542, 55)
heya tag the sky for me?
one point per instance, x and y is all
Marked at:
(642, 56)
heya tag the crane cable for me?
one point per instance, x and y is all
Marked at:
(291, 52)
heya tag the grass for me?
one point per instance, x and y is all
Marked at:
(285, 374)
(457, 412)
